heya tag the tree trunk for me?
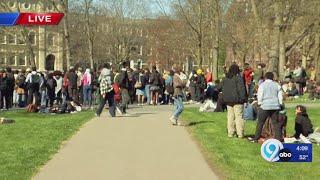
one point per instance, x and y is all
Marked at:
(282, 55)
(89, 33)
(317, 56)
(66, 33)
(275, 38)
(216, 42)
(200, 51)
(260, 28)
(25, 35)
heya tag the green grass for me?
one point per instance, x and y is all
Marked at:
(240, 159)
(29, 143)
(302, 99)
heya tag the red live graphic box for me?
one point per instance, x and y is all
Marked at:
(29, 19)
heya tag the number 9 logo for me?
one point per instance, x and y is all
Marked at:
(270, 150)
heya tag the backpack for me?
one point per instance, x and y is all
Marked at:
(32, 108)
(51, 84)
(35, 79)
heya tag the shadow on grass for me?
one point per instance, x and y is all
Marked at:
(200, 122)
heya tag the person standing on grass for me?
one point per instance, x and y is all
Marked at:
(87, 88)
(72, 86)
(270, 100)
(234, 95)
(178, 85)
(33, 85)
(248, 78)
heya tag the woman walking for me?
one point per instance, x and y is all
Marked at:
(178, 85)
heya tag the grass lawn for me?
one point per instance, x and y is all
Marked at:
(29, 143)
(240, 159)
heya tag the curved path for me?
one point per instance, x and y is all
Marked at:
(143, 146)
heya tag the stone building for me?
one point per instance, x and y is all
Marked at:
(18, 42)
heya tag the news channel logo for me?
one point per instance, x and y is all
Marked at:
(273, 150)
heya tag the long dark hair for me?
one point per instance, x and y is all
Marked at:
(234, 70)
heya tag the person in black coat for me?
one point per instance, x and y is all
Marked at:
(73, 87)
(10, 86)
(124, 86)
(4, 91)
(234, 96)
(303, 123)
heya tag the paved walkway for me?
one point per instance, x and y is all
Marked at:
(142, 147)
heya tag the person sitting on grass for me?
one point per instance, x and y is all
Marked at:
(211, 97)
(292, 90)
(303, 125)
(311, 89)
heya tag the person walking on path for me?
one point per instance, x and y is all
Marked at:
(234, 95)
(107, 93)
(270, 100)
(124, 86)
(177, 97)
(155, 81)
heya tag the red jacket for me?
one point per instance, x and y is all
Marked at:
(209, 77)
(248, 76)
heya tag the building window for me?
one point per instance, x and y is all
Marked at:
(50, 7)
(149, 52)
(21, 60)
(2, 59)
(3, 39)
(11, 60)
(50, 40)
(21, 40)
(141, 50)
(26, 5)
(11, 38)
(11, 4)
(32, 38)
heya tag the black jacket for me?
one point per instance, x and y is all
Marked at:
(124, 80)
(233, 90)
(73, 77)
(3, 84)
(303, 126)
(155, 79)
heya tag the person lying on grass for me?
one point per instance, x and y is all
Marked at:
(303, 125)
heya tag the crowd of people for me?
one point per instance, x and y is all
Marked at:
(239, 92)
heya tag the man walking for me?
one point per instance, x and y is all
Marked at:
(124, 86)
(270, 101)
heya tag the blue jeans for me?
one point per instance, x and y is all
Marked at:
(87, 95)
(43, 98)
(148, 93)
(178, 107)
